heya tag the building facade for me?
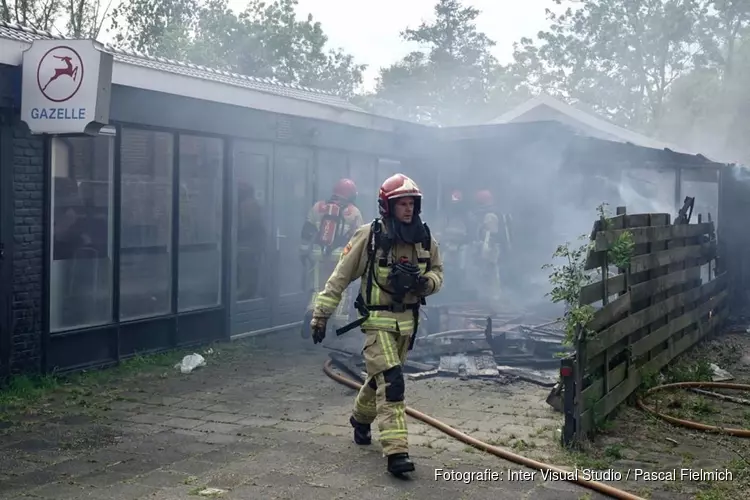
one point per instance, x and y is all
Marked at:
(167, 211)
(147, 204)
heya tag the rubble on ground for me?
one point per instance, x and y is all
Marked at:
(466, 342)
(719, 374)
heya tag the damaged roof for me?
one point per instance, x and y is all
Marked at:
(24, 34)
(587, 123)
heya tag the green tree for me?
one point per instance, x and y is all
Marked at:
(218, 34)
(278, 44)
(708, 109)
(159, 28)
(509, 87)
(86, 18)
(619, 56)
(265, 40)
(448, 81)
(83, 18)
(722, 31)
(31, 13)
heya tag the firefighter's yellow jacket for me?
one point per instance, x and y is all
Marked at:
(488, 234)
(354, 265)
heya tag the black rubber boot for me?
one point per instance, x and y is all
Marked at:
(362, 433)
(399, 464)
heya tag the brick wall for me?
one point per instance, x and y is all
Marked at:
(26, 207)
(28, 240)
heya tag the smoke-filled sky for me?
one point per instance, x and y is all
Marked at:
(370, 29)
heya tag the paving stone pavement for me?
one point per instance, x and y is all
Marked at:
(266, 424)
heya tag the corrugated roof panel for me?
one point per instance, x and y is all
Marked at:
(292, 91)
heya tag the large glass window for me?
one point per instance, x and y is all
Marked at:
(201, 174)
(81, 242)
(146, 159)
(251, 166)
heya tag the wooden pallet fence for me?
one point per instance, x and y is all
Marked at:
(665, 301)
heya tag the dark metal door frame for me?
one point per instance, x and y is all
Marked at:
(283, 301)
(264, 303)
(6, 244)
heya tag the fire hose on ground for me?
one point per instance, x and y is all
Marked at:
(689, 424)
(494, 450)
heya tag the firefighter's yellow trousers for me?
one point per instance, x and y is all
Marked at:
(485, 271)
(382, 394)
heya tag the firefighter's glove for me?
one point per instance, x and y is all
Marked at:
(422, 287)
(318, 327)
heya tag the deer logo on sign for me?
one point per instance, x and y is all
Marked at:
(60, 74)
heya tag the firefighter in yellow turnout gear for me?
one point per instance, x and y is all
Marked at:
(329, 226)
(399, 264)
(491, 244)
(454, 239)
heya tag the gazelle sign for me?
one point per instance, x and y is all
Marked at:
(66, 87)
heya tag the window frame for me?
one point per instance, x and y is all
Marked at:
(113, 211)
(120, 135)
(223, 142)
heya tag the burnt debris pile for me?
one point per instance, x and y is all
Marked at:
(467, 341)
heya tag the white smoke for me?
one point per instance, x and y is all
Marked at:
(740, 172)
(647, 191)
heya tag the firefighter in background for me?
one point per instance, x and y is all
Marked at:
(329, 226)
(251, 242)
(399, 264)
(454, 237)
(492, 242)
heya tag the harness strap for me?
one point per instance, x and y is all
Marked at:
(395, 307)
(364, 310)
(359, 303)
(365, 306)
